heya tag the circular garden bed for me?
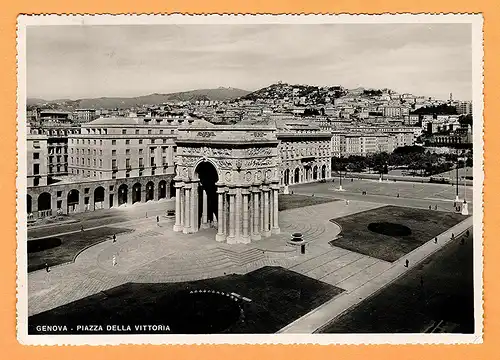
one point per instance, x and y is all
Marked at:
(389, 229)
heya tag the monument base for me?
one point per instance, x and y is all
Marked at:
(276, 230)
(177, 228)
(220, 237)
(286, 191)
(465, 209)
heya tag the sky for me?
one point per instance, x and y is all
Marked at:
(74, 62)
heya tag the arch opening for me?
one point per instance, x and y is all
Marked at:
(136, 193)
(99, 198)
(296, 176)
(122, 194)
(207, 192)
(28, 204)
(73, 201)
(323, 172)
(150, 191)
(162, 189)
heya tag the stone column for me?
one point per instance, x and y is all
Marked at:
(237, 216)
(276, 227)
(178, 189)
(187, 209)
(105, 204)
(256, 214)
(194, 206)
(183, 206)
(81, 202)
(231, 237)
(53, 203)
(266, 231)
(155, 192)
(221, 236)
(204, 216)
(245, 238)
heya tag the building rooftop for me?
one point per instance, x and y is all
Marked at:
(112, 121)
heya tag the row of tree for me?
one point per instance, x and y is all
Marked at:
(413, 158)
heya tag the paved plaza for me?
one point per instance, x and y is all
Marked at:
(152, 253)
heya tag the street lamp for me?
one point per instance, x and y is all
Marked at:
(465, 206)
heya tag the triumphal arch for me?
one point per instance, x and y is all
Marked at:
(227, 177)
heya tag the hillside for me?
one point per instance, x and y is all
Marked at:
(219, 94)
(313, 94)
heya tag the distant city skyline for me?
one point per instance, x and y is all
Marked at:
(75, 62)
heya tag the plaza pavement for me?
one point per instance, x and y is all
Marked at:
(155, 254)
(416, 195)
(360, 290)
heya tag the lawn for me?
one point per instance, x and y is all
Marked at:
(287, 202)
(278, 297)
(423, 225)
(64, 248)
(437, 292)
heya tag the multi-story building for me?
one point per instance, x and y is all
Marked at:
(37, 156)
(84, 115)
(464, 107)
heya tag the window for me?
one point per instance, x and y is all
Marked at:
(124, 132)
(59, 193)
(152, 141)
(111, 187)
(95, 162)
(164, 159)
(140, 142)
(164, 141)
(127, 152)
(149, 132)
(36, 169)
(164, 149)
(36, 144)
(127, 174)
(113, 175)
(152, 161)
(141, 164)
(137, 131)
(100, 142)
(100, 162)
(100, 152)
(152, 150)
(127, 162)
(152, 171)
(127, 142)
(113, 163)
(113, 152)
(36, 181)
(113, 142)
(140, 151)
(36, 156)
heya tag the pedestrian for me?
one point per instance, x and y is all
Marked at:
(146, 215)
(452, 236)
(347, 202)
(158, 220)
(352, 179)
(292, 192)
(313, 194)
(430, 207)
(114, 238)
(467, 233)
(114, 260)
(435, 240)
(398, 194)
(82, 228)
(47, 267)
(407, 263)
(435, 207)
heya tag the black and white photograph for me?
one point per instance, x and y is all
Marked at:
(222, 179)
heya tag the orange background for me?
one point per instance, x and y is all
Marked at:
(9, 346)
